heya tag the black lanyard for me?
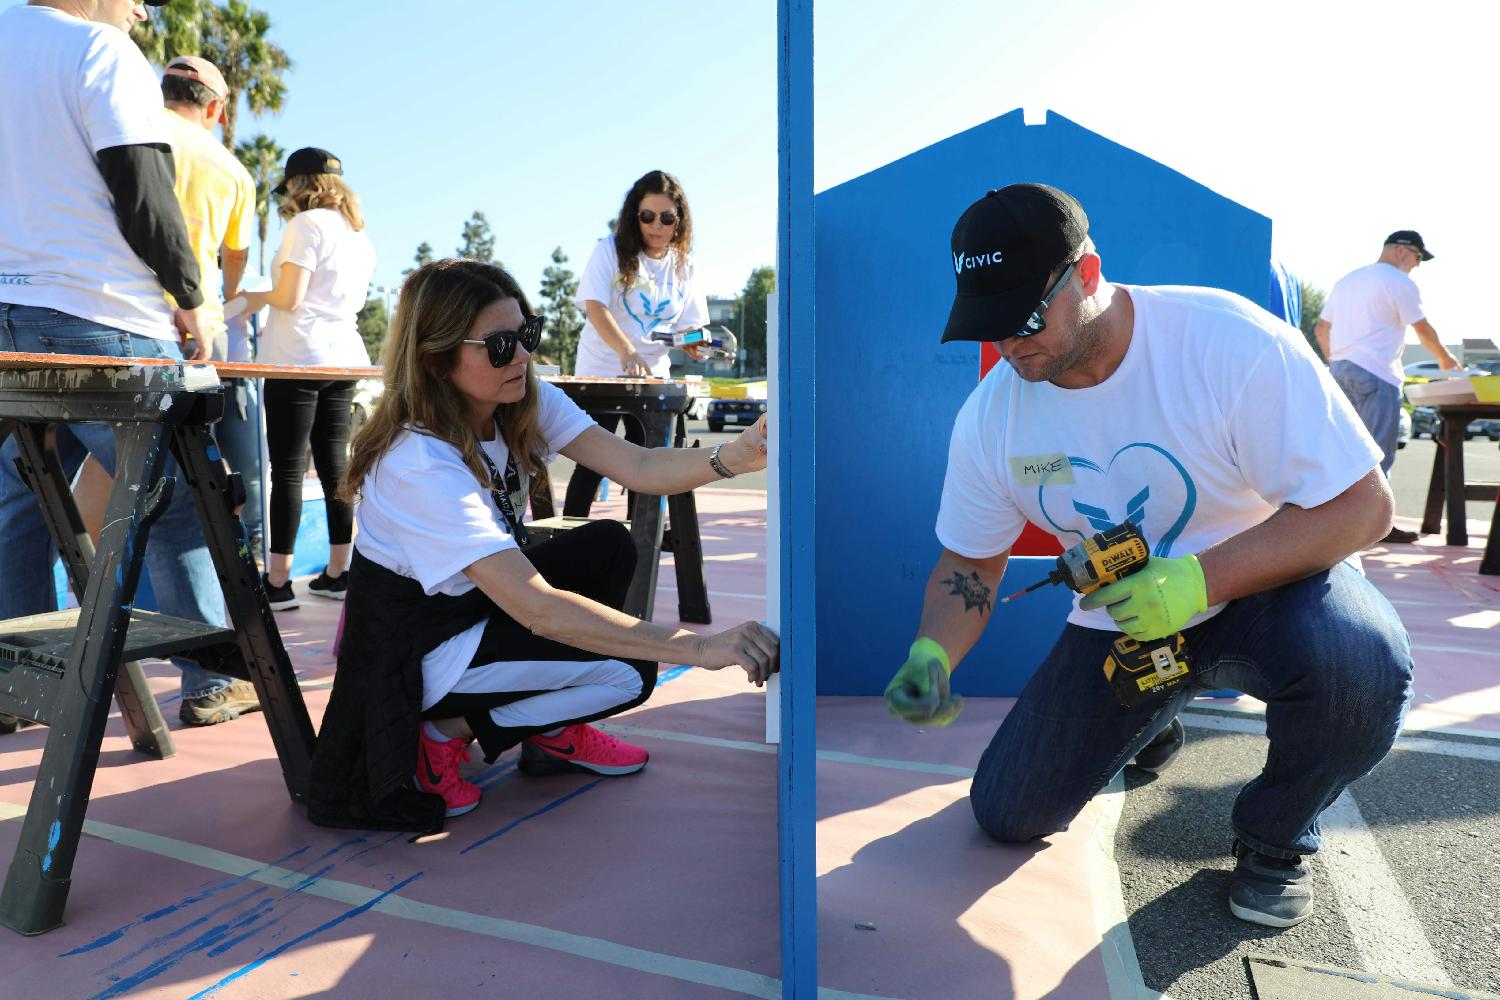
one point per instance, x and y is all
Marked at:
(500, 491)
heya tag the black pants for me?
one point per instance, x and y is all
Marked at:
(300, 413)
(596, 560)
(584, 482)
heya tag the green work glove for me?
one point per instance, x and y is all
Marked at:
(1156, 601)
(919, 692)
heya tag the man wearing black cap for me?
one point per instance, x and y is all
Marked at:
(90, 236)
(1210, 425)
(1362, 330)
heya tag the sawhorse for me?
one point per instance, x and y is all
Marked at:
(659, 407)
(61, 669)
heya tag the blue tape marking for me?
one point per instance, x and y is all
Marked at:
(668, 676)
(533, 815)
(327, 925)
(495, 775)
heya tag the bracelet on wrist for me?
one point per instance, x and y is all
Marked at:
(718, 466)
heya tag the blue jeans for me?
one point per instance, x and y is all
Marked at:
(182, 571)
(1378, 404)
(1326, 654)
(238, 435)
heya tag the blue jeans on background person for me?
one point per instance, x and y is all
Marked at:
(1327, 655)
(238, 435)
(182, 571)
(1378, 404)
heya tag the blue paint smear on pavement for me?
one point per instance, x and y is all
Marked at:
(327, 925)
(532, 815)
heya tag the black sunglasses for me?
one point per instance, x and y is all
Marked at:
(1037, 323)
(667, 218)
(501, 344)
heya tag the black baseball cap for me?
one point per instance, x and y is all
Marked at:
(1005, 246)
(1409, 238)
(309, 160)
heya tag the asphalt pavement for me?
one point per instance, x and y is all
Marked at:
(1413, 469)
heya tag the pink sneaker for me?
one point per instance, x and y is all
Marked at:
(580, 748)
(437, 772)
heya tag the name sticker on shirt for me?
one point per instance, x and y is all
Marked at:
(1040, 470)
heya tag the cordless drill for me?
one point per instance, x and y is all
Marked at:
(1135, 671)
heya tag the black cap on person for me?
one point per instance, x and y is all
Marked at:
(1409, 238)
(1004, 248)
(309, 160)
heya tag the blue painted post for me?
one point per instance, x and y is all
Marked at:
(794, 419)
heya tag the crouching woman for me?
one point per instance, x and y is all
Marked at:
(456, 629)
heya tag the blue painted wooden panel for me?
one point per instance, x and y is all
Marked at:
(887, 391)
(795, 425)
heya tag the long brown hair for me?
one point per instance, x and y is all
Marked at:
(439, 302)
(305, 191)
(628, 242)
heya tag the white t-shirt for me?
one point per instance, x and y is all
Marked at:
(69, 88)
(1218, 415)
(1369, 310)
(662, 299)
(321, 331)
(422, 514)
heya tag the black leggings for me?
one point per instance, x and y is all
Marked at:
(596, 560)
(584, 482)
(299, 413)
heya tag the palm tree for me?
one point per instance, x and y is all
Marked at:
(234, 39)
(171, 31)
(262, 157)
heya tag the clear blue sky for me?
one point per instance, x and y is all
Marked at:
(1341, 120)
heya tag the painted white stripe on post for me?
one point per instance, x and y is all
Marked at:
(1384, 927)
(350, 894)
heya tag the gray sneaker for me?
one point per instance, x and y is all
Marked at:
(220, 706)
(1274, 892)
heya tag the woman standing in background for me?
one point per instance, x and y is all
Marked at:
(322, 272)
(638, 283)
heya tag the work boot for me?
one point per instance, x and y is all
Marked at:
(1273, 892)
(1156, 756)
(222, 705)
(1400, 536)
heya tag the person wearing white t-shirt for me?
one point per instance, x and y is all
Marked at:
(1210, 425)
(321, 276)
(637, 289)
(91, 236)
(1362, 330)
(451, 617)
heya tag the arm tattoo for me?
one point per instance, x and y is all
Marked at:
(972, 590)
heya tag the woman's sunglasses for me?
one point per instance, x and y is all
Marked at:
(501, 344)
(667, 218)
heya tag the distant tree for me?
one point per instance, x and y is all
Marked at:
(173, 30)
(479, 240)
(564, 320)
(262, 158)
(1313, 299)
(610, 226)
(750, 316)
(373, 322)
(234, 38)
(421, 257)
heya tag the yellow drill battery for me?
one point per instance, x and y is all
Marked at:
(1138, 671)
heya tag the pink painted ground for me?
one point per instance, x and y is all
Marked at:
(677, 863)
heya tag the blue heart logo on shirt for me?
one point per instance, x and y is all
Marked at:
(1162, 496)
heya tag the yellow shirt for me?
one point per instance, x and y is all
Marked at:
(218, 204)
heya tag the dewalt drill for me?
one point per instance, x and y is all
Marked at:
(1135, 671)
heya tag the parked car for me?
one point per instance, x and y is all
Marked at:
(1403, 429)
(734, 411)
(1425, 420)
